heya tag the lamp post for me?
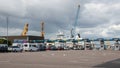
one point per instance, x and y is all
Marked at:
(7, 28)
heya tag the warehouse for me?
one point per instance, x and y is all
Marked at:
(28, 38)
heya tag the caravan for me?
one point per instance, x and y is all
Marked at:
(69, 44)
(116, 46)
(30, 47)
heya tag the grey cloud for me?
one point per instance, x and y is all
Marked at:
(12, 8)
(58, 15)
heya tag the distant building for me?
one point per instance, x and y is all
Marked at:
(27, 38)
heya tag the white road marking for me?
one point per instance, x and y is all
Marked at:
(52, 54)
(4, 61)
(74, 61)
(64, 54)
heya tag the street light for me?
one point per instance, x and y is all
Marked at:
(7, 28)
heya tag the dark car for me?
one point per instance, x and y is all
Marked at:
(3, 47)
(51, 47)
(42, 48)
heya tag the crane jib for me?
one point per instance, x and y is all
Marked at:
(73, 31)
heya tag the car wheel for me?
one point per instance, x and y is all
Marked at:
(21, 50)
(15, 50)
(31, 50)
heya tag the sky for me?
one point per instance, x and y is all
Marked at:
(96, 19)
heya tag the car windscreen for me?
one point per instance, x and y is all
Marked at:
(15, 47)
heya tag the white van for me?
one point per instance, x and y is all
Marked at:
(30, 47)
(20, 45)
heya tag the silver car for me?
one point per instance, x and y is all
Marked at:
(15, 49)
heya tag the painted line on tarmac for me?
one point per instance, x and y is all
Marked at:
(53, 54)
(74, 61)
(4, 61)
(64, 54)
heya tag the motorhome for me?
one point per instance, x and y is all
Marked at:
(69, 44)
(60, 45)
(81, 44)
(116, 46)
(96, 45)
(29, 46)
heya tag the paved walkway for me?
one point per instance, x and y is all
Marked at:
(61, 59)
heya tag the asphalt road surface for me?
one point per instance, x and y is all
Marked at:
(61, 59)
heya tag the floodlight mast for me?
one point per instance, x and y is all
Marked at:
(7, 28)
(73, 30)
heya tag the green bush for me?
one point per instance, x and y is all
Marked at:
(4, 41)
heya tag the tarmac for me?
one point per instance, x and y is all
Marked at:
(61, 59)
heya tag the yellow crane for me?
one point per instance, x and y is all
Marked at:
(42, 29)
(25, 30)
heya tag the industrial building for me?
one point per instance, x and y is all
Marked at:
(24, 35)
(27, 38)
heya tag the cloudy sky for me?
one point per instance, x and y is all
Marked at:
(97, 18)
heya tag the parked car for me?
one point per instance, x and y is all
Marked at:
(3, 47)
(42, 47)
(15, 49)
(51, 47)
(60, 48)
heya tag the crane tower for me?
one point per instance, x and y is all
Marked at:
(25, 30)
(42, 29)
(73, 30)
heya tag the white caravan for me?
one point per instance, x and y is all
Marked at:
(81, 45)
(30, 46)
(20, 45)
(96, 45)
(116, 46)
(69, 44)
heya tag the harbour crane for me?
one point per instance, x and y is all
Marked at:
(42, 29)
(25, 30)
(73, 30)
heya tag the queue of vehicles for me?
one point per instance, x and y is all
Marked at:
(85, 44)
